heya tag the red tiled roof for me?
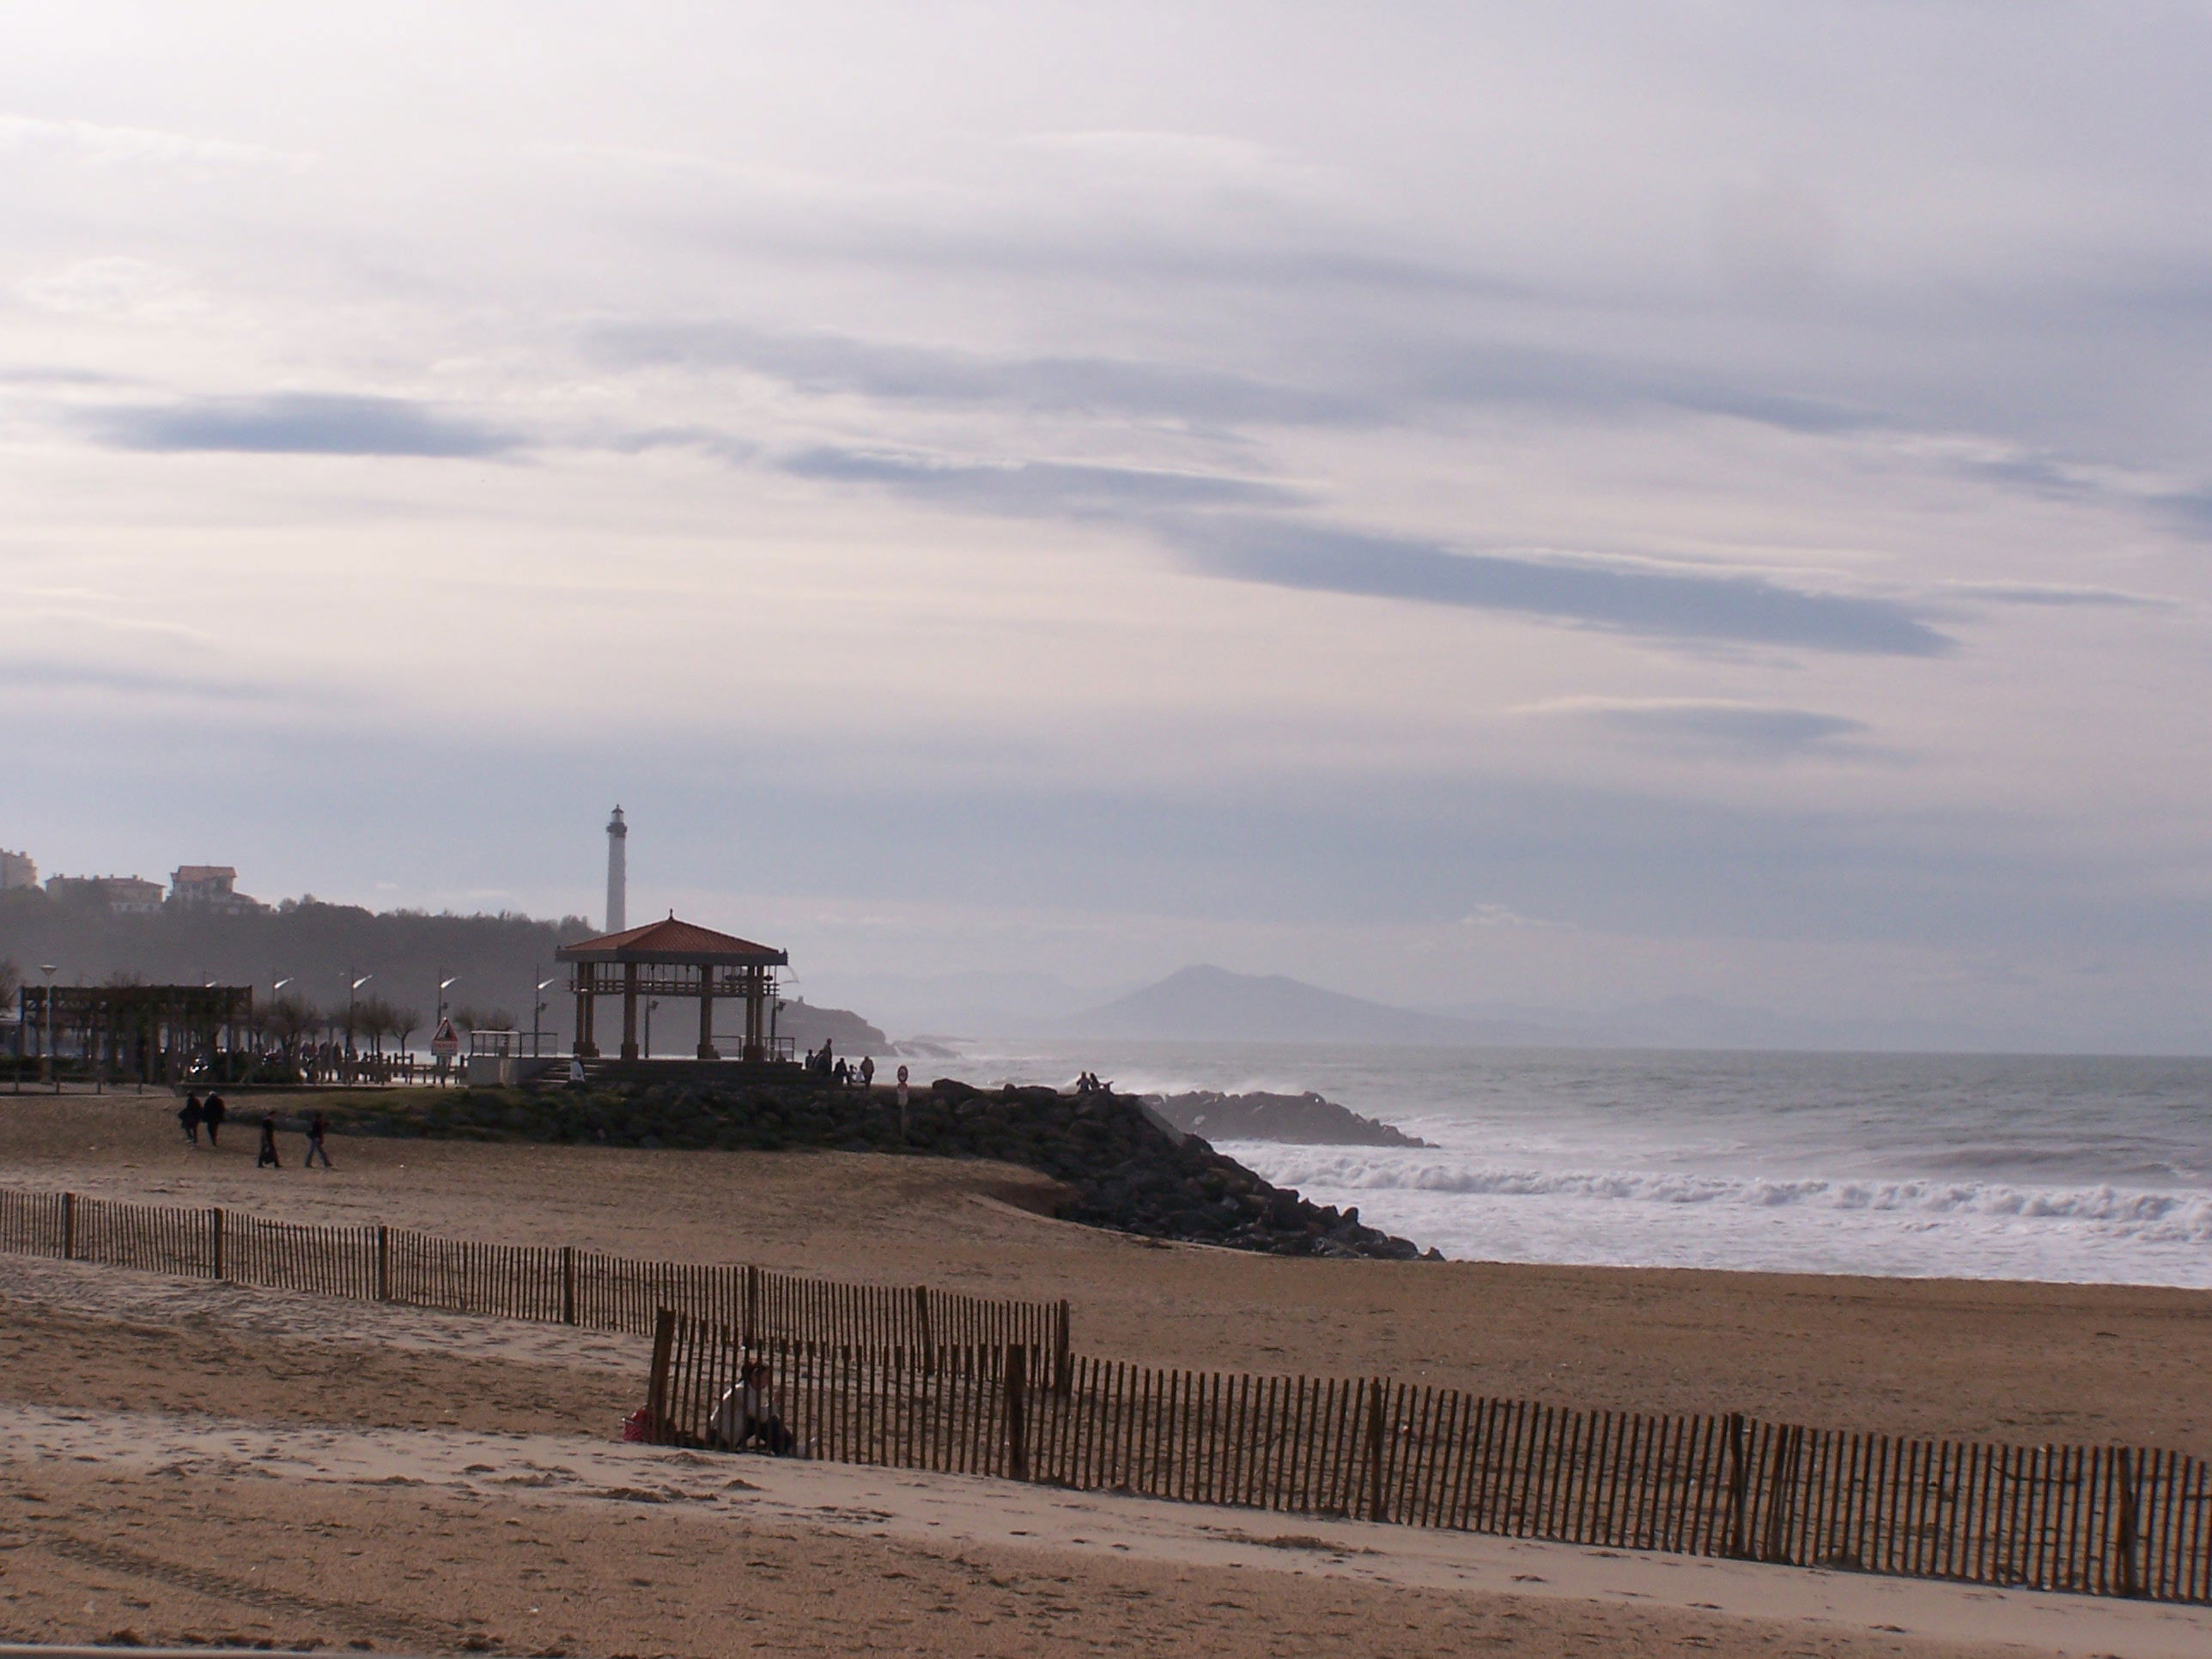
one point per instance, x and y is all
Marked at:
(670, 940)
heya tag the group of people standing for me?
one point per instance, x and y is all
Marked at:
(820, 1062)
(1087, 1083)
(196, 1115)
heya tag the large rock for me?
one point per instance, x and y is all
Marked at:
(1307, 1120)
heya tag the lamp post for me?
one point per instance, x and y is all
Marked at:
(352, 991)
(537, 1006)
(46, 1049)
(276, 990)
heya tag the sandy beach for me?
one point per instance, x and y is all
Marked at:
(130, 1511)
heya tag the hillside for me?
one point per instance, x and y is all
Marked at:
(1202, 1004)
(495, 961)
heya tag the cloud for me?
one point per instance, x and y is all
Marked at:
(832, 364)
(1763, 727)
(34, 675)
(1748, 609)
(1027, 488)
(301, 423)
(2067, 594)
(125, 146)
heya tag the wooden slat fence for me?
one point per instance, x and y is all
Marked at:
(554, 1285)
(2101, 1520)
(615, 1293)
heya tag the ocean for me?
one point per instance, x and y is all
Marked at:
(2051, 1168)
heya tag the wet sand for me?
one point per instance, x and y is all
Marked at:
(156, 1481)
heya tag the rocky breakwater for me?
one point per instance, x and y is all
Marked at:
(1306, 1119)
(1135, 1171)
(1123, 1165)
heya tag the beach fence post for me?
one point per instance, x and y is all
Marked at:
(1376, 1510)
(921, 1330)
(2129, 1581)
(568, 1284)
(1018, 1448)
(214, 1243)
(69, 1226)
(753, 1306)
(1737, 1479)
(1781, 1482)
(656, 1396)
(1063, 1363)
(383, 1262)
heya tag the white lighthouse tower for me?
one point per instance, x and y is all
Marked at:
(617, 872)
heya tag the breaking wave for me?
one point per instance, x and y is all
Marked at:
(2182, 1217)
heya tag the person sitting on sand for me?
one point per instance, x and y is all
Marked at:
(212, 1114)
(745, 1412)
(316, 1128)
(190, 1117)
(267, 1160)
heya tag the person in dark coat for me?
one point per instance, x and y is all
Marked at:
(268, 1159)
(316, 1128)
(190, 1117)
(212, 1114)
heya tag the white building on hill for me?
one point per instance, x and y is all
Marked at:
(208, 887)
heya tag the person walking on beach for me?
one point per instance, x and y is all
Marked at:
(867, 1071)
(267, 1160)
(212, 1114)
(316, 1128)
(190, 1117)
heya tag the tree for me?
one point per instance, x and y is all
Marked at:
(289, 1019)
(405, 1021)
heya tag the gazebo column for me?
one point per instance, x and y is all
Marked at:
(586, 1048)
(756, 1038)
(629, 1011)
(707, 1014)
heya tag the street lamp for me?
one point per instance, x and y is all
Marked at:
(352, 991)
(445, 984)
(537, 1006)
(46, 1050)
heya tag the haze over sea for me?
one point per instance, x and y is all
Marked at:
(2045, 1168)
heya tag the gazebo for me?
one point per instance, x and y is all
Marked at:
(678, 959)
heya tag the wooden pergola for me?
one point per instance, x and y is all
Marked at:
(673, 958)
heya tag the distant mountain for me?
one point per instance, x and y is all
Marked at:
(1212, 1004)
(972, 1004)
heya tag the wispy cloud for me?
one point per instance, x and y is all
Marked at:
(302, 423)
(1031, 488)
(1765, 728)
(1748, 609)
(832, 364)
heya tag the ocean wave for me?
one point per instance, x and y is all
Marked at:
(2179, 1216)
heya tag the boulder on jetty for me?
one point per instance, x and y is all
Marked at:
(1122, 1164)
(1306, 1119)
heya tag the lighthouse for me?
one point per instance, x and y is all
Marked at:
(617, 872)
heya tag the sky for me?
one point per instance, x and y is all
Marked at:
(1465, 504)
